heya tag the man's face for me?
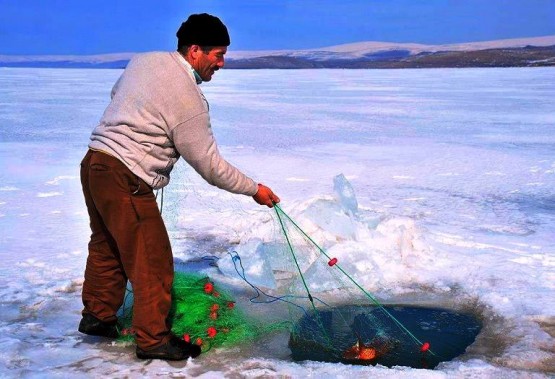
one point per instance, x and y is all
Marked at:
(206, 64)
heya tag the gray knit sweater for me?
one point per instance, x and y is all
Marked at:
(159, 113)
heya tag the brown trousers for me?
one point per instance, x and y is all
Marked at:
(128, 241)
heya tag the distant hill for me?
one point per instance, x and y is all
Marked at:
(118, 60)
(522, 52)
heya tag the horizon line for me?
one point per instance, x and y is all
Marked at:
(285, 50)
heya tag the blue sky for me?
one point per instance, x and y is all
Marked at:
(109, 26)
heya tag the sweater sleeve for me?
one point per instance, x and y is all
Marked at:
(195, 142)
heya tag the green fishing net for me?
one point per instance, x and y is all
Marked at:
(202, 312)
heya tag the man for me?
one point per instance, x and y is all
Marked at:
(157, 114)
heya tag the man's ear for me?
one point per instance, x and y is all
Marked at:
(195, 51)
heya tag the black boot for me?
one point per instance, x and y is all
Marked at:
(174, 350)
(94, 327)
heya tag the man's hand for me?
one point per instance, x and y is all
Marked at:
(265, 196)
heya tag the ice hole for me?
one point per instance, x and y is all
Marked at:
(368, 335)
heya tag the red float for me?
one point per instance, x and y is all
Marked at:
(208, 287)
(211, 332)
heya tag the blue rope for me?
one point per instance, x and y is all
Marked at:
(237, 261)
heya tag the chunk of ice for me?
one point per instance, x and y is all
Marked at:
(345, 193)
(254, 261)
(331, 217)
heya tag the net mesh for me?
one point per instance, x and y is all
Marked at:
(328, 316)
(335, 318)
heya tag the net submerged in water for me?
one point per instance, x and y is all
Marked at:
(356, 340)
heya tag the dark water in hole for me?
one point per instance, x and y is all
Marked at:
(330, 335)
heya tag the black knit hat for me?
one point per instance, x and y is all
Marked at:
(203, 30)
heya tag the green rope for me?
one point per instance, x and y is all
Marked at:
(301, 274)
(370, 296)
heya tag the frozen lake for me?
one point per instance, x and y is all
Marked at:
(453, 171)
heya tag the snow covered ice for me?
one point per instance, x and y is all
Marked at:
(432, 187)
